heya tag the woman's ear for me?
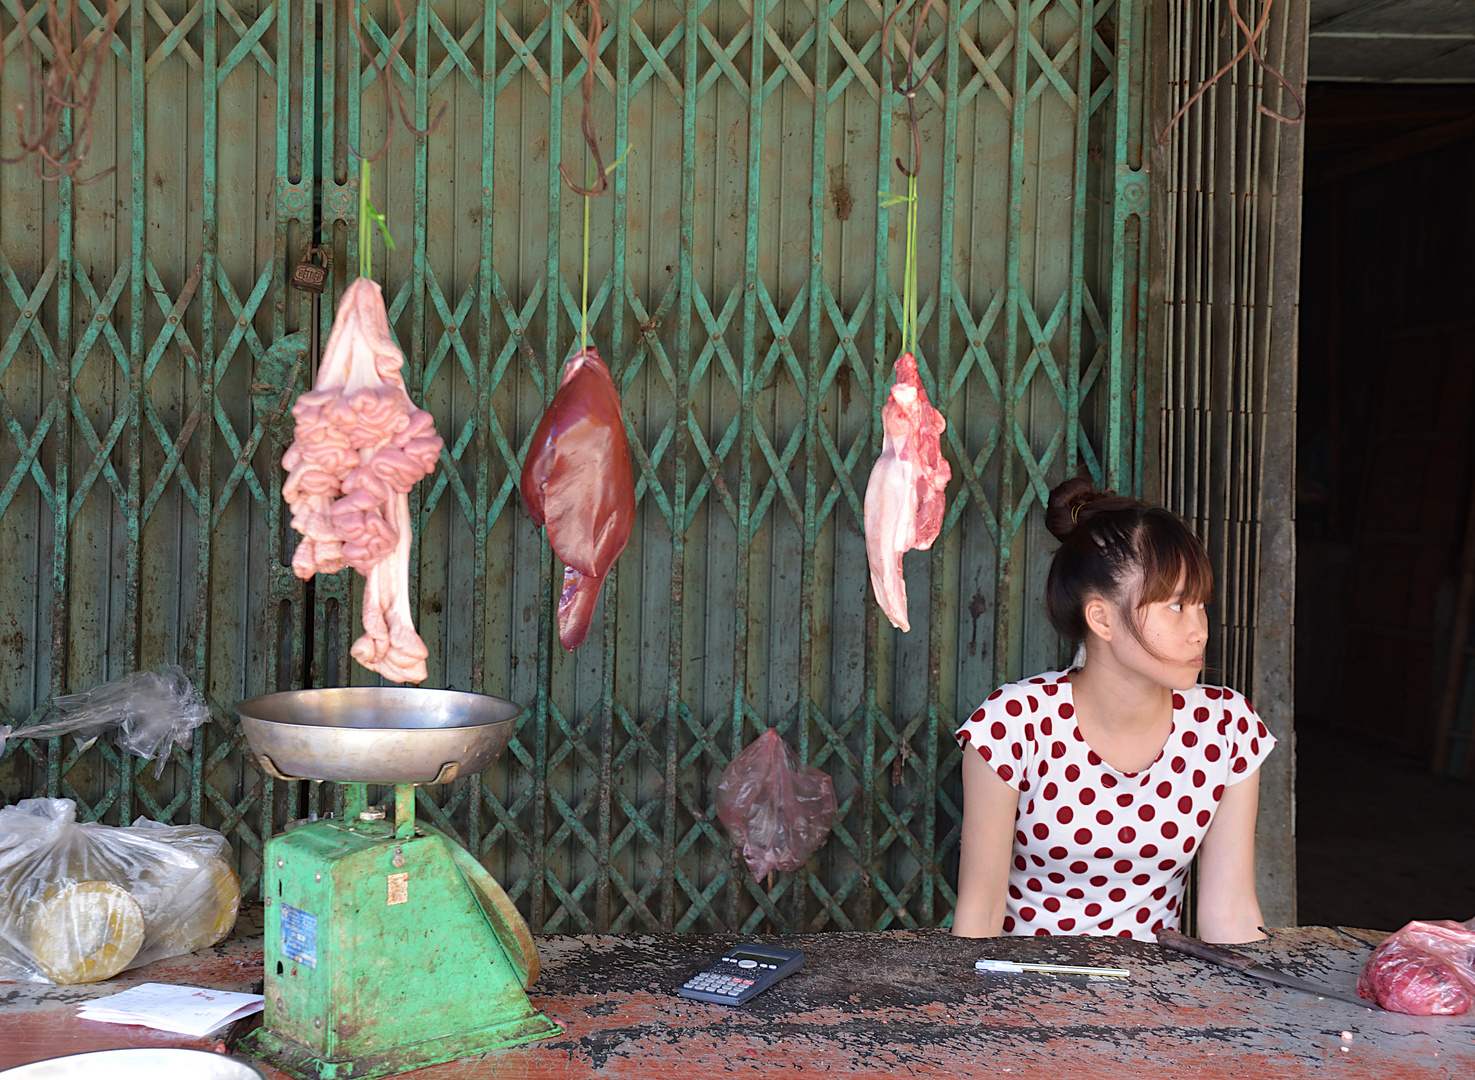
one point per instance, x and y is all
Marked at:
(1100, 618)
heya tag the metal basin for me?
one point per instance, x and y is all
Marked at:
(377, 734)
(142, 1063)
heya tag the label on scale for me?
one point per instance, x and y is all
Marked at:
(300, 936)
(399, 888)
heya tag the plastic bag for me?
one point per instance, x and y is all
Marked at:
(1427, 969)
(151, 712)
(80, 902)
(777, 810)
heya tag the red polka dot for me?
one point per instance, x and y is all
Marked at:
(1056, 877)
(1203, 818)
(1160, 892)
(1218, 792)
(1200, 714)
(1157, 926)
(1101, 853)
(1058, 853)
(1020, 863)
(1103, 816)
(1041, 932)
(1013, 708)
(1148, 851)
(1172, 903)
(1046, 727)
(1212, 693)
(1126, 834)
(1098, 880)
(1243, 725)
(1027, 914)
(1044, 767)
(1067, 710)
(1121, 866)
(1034, 703)
(1075, 894)
(1146, 812)
(1005, 772)
(1040, 830)
(1037, 860)
(1185, 804)
(1116, 896)
(1083, 836)
(988, 755)
(1087, 796)
(1033, 885)
(1037, 680)
(1125, 798)
(1190, 739)
(1008, 924)
(1108, 781)
(1078, 867)
(1018, 751)
(1014, 892)
(1169, 830)
(1051, 904)
(1029, 733)
(1261, 729)
(1064, 815)
(1067, 924)
(1211, 752)
(1105, 924)
(1023, 785)
(1255, 746)
(1050, 791)
(1092, 910)
(1240, 765)
(1199, 778)
(1124, 933)
(1031, 809)
(1092, 757)
(1166, 864)
(1178, 702)
(1141, 879)
(1188, 845)
(1143, 914)
(1179, 764)
(1223, 725)
(1057, 750)
(998, 730)
(1072, 773)
(1164, 790)
(1022, 839)
(995, 694)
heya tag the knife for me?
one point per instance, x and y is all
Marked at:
(1217, 954)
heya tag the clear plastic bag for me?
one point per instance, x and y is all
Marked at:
(1426, 969)
(82, 901)
(777, 811)
(151, 711)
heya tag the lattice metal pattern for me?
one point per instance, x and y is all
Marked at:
(746, 293)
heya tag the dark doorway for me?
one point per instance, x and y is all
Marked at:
(1386, 463)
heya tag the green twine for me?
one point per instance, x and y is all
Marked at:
(909, 263)
(368, 218)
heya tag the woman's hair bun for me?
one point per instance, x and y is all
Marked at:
(1069, 506)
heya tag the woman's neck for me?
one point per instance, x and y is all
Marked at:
(1124, 716)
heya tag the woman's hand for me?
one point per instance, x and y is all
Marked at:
(1228, 910)
(986, 844)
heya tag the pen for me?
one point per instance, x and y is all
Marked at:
(1054, 969)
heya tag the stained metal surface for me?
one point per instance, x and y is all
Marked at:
(746, 293)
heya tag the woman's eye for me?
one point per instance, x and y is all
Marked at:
(1175, 607)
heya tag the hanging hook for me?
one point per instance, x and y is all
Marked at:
(601, 179)
(382, 74)
(905, 89)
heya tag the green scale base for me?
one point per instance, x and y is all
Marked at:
(384, 955)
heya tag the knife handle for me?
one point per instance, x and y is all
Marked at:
(1214, 954)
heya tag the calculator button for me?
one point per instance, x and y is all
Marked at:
(747, 963)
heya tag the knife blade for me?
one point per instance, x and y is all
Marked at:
(1247, 965)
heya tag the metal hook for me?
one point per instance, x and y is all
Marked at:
(382, 74)
(601, 180)
(909, 90)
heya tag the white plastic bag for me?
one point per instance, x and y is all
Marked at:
(82, 901)
(151, 711)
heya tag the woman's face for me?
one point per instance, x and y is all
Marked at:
(1174, 632)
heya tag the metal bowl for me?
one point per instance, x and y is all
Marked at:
(377, 734)
(141, 1063)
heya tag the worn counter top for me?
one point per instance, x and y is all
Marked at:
(901, 1003)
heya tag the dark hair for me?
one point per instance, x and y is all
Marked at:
(1107, 538)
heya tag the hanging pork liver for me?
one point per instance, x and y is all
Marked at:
(358, 447)
(578, 482)
(905, 496)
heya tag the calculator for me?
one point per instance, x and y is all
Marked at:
(741, 974)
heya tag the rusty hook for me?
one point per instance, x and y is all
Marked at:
(909, 90)
(382, 74)
(601, 180)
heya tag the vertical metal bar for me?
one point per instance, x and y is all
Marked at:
(1116, 451)
(61, 482)
(1086, 29)
(209, 247)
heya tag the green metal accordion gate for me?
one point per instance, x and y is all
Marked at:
(745, 288)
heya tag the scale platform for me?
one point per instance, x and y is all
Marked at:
(388, 945)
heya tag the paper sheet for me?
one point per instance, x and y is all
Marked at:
(184, 1010)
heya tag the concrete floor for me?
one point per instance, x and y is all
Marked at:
(1379, 840)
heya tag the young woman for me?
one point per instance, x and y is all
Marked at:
(1087, 793)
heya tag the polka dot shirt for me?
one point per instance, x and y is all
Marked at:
(1098, 851)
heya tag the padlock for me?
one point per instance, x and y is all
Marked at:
(308, 275)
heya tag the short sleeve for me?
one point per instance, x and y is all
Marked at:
(1247, 741)
(1003, 730)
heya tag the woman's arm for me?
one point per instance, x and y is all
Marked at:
(1228, 910)
(987, 841)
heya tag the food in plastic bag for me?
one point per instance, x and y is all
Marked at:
(1426, 969)
(777, 810)
(152, 711)
(82, 901)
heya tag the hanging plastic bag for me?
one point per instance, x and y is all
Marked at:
(1426, 969)
(151, 711)
(777, 811)
(82, 901)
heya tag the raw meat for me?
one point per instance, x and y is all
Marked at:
(1427, 969)
(578, 482)
(905, 496)
(358, 447)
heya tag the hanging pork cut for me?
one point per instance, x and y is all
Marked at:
(578, 482)
(359, 446)
(904, 498)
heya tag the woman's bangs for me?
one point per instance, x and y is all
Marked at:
(1171, 556)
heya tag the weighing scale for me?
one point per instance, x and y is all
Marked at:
(388, 946)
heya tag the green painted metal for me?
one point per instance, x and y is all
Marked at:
(743, 294)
